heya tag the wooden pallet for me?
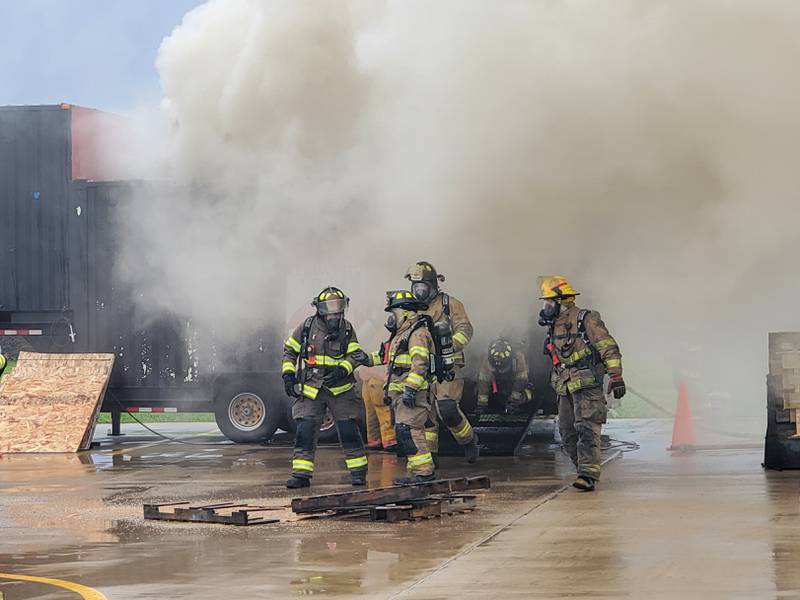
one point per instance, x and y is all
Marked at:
(424, 509)
(389, 495)
(209, 513)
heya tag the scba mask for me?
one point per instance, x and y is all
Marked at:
(549, 312)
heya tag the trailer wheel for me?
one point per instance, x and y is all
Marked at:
(245, 414)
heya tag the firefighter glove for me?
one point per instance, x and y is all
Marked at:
(409, 397)
(289, 382)
(334, 375)
(616, 386)
(360, 357)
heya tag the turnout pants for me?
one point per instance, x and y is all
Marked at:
(447, 399)
(308, 416)
(410, 428)
(581, 415)
(380, 429)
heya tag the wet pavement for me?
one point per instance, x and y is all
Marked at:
(710, 524)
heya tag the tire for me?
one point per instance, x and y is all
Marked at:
(246, 413)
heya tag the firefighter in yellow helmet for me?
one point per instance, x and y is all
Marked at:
(583, 353)
(319, 358)
(447, 394)
(409, 380)
(503, 381)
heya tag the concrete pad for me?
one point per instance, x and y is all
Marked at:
(710, 524)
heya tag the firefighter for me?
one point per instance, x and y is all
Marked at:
(583, 353)
(503, 379)
(319, 358)
(408, 382)
(378, 416)
(3, 364)
(447, 394)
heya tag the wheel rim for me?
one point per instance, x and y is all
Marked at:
(247, 411)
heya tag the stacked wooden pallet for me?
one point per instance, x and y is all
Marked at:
(391, 504)
(783, 382)
(398, 503)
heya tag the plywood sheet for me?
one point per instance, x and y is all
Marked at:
(50, 402)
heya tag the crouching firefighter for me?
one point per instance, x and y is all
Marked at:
(443, 307)
(319, 358)
(503, 382)
(409, 380)
(583, 352)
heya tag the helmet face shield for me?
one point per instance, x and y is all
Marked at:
(331, 306)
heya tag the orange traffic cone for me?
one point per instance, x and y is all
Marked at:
(683, 429)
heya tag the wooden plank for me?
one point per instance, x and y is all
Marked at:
(50, 402)
(388, 495)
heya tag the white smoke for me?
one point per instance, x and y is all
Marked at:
(647, 150)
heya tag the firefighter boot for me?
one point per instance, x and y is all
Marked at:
(358, 478)
(472, 450)
(412, 479)
(584, 483)
(296, 481)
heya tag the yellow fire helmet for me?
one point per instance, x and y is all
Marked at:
(555, 286)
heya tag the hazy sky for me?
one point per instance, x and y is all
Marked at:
(96, 53)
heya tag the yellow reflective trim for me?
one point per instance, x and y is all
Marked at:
(292, 343)
(417, 460)
(419, 351)
(346, 365)
(483, 400)
(613, 363)
(402, 359)
(298, 464)
(464, 431)
(341, 389)
(461, 338)
(415, 380)
(356, 463)
(310, 391)
(431, 436)
(577, 355)
(578, 384)
(288, 367)
(604, 343)
(353, 347)
(376, 358)
(397, 387)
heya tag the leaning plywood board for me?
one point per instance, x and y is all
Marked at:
(50, 402)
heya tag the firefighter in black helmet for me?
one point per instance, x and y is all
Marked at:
(319, 358)
(409, 380)
(447, 394)
(503, 381)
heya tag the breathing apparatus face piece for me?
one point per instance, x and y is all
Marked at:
(550, 310)
(391, 323)
(424, 291)
(333, 321)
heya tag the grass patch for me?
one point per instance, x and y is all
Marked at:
(9, 366)
(186, 417)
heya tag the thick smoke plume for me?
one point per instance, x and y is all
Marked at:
(648, 150)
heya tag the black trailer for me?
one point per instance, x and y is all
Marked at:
(57, 290)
